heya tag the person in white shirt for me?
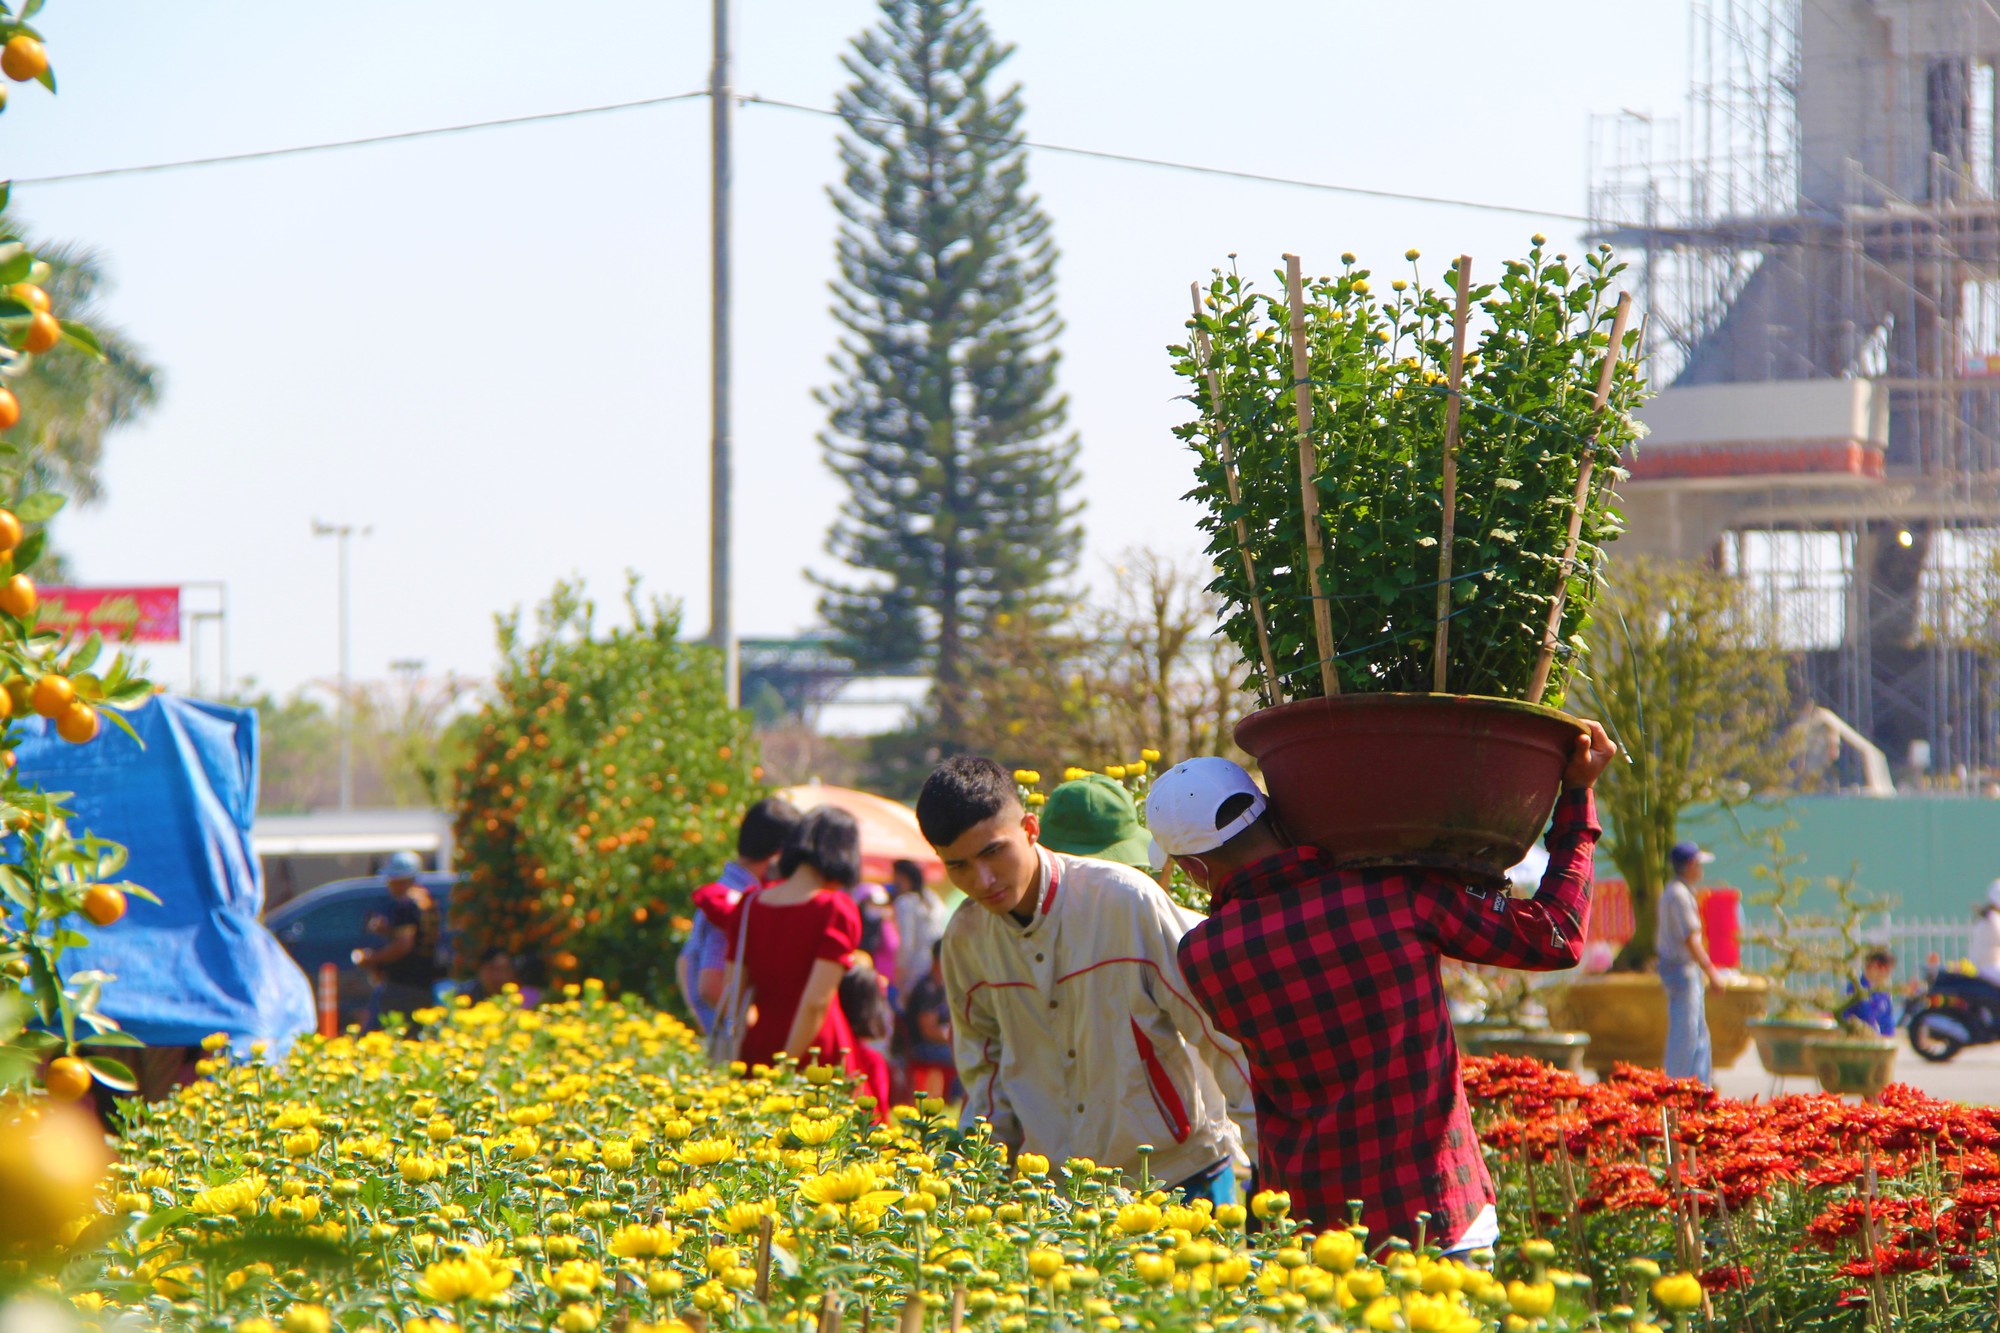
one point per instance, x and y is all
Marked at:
(1685, 967)
(1073, 1030)
(1986, 936)
(920, 921)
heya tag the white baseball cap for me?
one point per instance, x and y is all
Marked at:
(1993, 894)
(1181, 806)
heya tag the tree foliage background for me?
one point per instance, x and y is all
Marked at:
(605, 782)
(409, 737)
(70, 400)
(1142, 667)
(1688, 686)
(944, 421)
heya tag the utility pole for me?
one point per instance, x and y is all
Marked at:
(340, 532)
(721, 109)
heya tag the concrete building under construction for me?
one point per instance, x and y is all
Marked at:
(1817, 244)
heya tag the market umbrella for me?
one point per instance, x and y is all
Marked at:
(889, 830)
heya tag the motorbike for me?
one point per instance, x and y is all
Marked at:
(1959, 1010)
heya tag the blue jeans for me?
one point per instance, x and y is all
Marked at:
(1217, 1185)
(1687, 1023)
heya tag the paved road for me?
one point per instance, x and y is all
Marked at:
(1973, 1077)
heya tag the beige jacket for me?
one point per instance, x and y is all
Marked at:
(1076, 1036)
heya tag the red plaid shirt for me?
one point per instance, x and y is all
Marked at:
(1330, 980)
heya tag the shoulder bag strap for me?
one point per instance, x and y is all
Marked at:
(728, 1035)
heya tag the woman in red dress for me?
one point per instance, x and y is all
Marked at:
(796, 940)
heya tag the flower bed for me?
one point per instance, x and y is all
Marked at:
(1797, 1213)
(576, 1167)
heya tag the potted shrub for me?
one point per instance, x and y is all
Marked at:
(1525, 1029)
(1800, 960)
(1408, 517)
(1856, 1059)
(1479, 1011)
(1699, 702)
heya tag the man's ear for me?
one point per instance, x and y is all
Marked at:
(1032, 823)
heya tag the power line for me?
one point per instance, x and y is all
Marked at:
(1195, 168)
(1069, 150)
(299, 149)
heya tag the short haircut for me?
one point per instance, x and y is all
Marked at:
(828, 840)
(1879, 958)
(964, 790)
(909, 872)
(765, 825)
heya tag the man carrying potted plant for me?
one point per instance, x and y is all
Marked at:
(1071, 1025)
(1684, 966)
(1331, 980)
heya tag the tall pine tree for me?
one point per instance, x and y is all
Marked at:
(946, 423)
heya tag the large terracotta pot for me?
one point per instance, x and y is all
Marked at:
(1855, 1066)
(1625, 1014)
(1730, 1010)
(1453, 782)
(1781, 1043)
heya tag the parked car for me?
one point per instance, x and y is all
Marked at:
(327, 924)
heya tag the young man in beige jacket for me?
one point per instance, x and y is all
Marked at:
(1073, 1030)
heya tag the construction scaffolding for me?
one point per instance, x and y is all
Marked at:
(1823, 222)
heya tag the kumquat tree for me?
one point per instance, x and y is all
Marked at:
(52, 878)
(606, 779)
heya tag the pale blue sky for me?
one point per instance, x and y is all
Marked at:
(492, 347)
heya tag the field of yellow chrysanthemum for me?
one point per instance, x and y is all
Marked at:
(577, 1167)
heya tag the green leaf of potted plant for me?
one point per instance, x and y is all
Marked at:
(1408, 514)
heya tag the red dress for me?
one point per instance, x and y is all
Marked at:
(781, 944)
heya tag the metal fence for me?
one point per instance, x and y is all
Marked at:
(1912, 939)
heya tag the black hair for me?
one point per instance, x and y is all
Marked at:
(495, 952)
(1879, 958)
(828, 840)
(909, 872)
(864, 1003)
(964, 790)
(1232, 807)
(765, 827)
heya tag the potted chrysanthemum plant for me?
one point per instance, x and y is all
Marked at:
(1408, 492)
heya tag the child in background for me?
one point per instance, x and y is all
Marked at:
(1869, 1000)
(866, 1005)
(927, 1028)
(879, 936)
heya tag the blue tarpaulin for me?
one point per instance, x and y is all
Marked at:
(200, 961)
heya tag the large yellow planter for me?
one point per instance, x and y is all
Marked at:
(1625, 1014)
(1730, 1009)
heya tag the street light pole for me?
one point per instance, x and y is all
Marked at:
(340, 532)
(721, 109)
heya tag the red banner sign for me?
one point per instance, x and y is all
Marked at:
(145, 615)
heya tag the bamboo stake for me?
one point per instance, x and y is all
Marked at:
(958, 1309)
(1228, 456)
(1451, 404)
(1308, 479)
(912, 1319)
(829, 1313)
(1540, 680)
(764, 1230)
